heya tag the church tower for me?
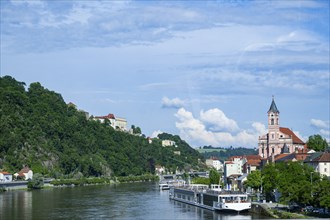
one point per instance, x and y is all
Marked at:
(278, 139)
(273, 122)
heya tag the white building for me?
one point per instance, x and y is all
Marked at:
(115, 122)
(26, 174)
(168, 143)
(212, 162)
(320, 161)
(120, 123)
(6, 177)
(232, 170)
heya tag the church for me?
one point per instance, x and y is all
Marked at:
(278, 140)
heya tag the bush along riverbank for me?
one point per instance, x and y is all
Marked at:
(82, 181)
(103, 180)
(142, 178)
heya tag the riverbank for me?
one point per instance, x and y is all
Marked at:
(79, 182)
(276, 211)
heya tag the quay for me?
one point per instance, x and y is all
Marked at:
(20, 184)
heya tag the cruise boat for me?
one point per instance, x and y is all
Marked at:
(213, 198)
(164, 186)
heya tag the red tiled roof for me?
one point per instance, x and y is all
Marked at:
(295, 139)
(279, 156)
(5, 173)
(24, 170)
(109, 116)
(325, 157)
(301, 156)
(253, 157)
(254, 162)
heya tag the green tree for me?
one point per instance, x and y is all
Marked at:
(38, 128)
(136, 130)
(321, 193)
(201, 180)
(214, 176)
(317, 143)
(37, 182)
(254, 180)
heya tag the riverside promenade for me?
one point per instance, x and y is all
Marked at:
(19, 184)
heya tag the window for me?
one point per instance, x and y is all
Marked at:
(272, 121)
(272, 136)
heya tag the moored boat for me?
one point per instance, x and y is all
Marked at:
(213, 198)
(164, 186)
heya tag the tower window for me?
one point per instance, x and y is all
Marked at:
(272, 121)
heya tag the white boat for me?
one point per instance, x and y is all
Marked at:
(213, 198)
(164, 186)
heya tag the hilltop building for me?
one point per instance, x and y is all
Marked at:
(278, 139)
(115, 122)
(168, 143)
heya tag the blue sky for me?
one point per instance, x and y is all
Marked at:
(204, 70)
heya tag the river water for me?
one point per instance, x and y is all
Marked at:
(122, 201)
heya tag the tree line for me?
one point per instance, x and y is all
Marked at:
(40, 130)
(292, 182)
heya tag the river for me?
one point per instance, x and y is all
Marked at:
(122, 201)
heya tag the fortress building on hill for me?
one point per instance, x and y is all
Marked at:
(278, 140)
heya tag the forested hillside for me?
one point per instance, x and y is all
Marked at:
(38, 129)
(224, 153)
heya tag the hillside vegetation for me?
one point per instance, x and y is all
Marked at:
(224, 153)
(40, 130)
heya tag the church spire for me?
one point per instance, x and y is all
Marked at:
(273, 107)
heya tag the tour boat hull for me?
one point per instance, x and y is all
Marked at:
(199, 195)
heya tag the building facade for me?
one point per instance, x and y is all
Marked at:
(278, 139)
(320, 161)
(168, 143)
(115, 122)
(6, 177)
(215, 163)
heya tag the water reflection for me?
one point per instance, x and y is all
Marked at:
(208, 214)
(124, 201)
(18, 204)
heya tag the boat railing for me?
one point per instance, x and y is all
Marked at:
(223, 192)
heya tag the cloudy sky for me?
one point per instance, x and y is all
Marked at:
(204, 70)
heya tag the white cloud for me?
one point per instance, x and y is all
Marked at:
(260, 128)
(319, 123)
(325, 133)
(196, 133)
(156, 133)
(218, 121)
(172, 103)
(322, 126)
